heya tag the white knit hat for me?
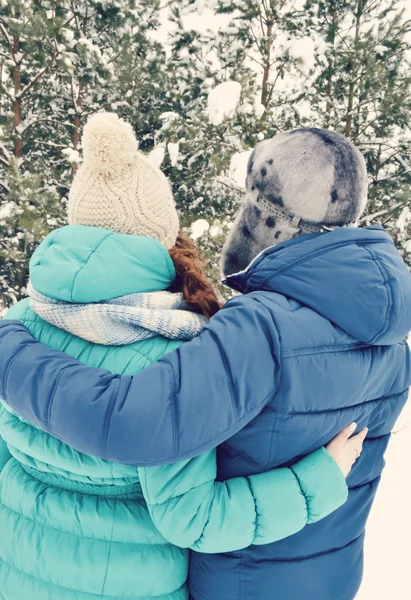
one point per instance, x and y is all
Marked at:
(117, 188)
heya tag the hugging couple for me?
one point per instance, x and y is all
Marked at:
(156, 445)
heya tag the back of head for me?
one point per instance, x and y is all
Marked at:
(297, 183)
(117, 188)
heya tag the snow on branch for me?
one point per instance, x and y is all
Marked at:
(5, 34)
(39, 75)
(380, 213)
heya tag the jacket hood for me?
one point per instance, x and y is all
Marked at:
(355, 278)
(88, 264)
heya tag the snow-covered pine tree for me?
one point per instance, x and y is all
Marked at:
(29, 52)
(364, 93)
(201, 81)
(58, 63)
(29, 211)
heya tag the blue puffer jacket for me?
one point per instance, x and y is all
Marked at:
(317, 340)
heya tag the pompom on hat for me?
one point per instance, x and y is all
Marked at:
(117, 188)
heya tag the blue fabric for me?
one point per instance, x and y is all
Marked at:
(316, 342)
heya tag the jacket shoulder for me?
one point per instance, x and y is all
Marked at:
(302, 330)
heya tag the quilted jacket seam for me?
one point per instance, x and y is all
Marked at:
(85, 263)
(277, 391)
(316, 555)
(177, 496)
(261, 405)
(109, 550)
(385, 281)
(307, 505)
(70, 589)
(324, 350)
(28, 321)
(340, 409)
(107, 420)
(250, 484)
(225, 364)
(80, 536)
(173, 406)
(50, 406)
(7, 373)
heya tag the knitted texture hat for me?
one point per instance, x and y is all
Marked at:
(117, 188)
(298, 182)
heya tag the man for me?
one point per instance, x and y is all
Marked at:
(315, 341)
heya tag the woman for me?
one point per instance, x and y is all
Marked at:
(74, 526)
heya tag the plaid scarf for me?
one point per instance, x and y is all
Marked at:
(124, 320)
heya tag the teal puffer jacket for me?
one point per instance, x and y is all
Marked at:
(75, 527)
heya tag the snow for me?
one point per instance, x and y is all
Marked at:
(71, 155)
(223, 101)
(156, 156)
(169, 116)
(238, 167)
(259, 109)
(380, 49)
(173, 152)
(303, 50)
(387, 555)
(68, 34)
(215, 230)
(199, 228)
(407, 246)
(403, 220)
(245, 109)
(201, 5)
(6, 210)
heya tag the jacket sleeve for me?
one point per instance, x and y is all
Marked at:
(189, 402)
(193, 510)
(4, 453)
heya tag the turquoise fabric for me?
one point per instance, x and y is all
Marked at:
(88, 264)
(75, 527)
(4, 453)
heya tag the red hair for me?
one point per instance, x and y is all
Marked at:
(191, 280)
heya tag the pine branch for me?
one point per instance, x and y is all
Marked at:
(48, 120)
(369, 218)
(39, 75)
(6, 92)
(231, 187)
(5, 34)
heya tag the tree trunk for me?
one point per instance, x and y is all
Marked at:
(351, 91)
(267, 65)
(330, 68)
(373, 195)
(77, 124)
(18, 143)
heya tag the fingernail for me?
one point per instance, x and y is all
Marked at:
(353, 427)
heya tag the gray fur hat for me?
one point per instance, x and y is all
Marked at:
(298, 182)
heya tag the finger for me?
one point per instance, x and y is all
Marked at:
(355, 443)
(345, 434)
(359, 438)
